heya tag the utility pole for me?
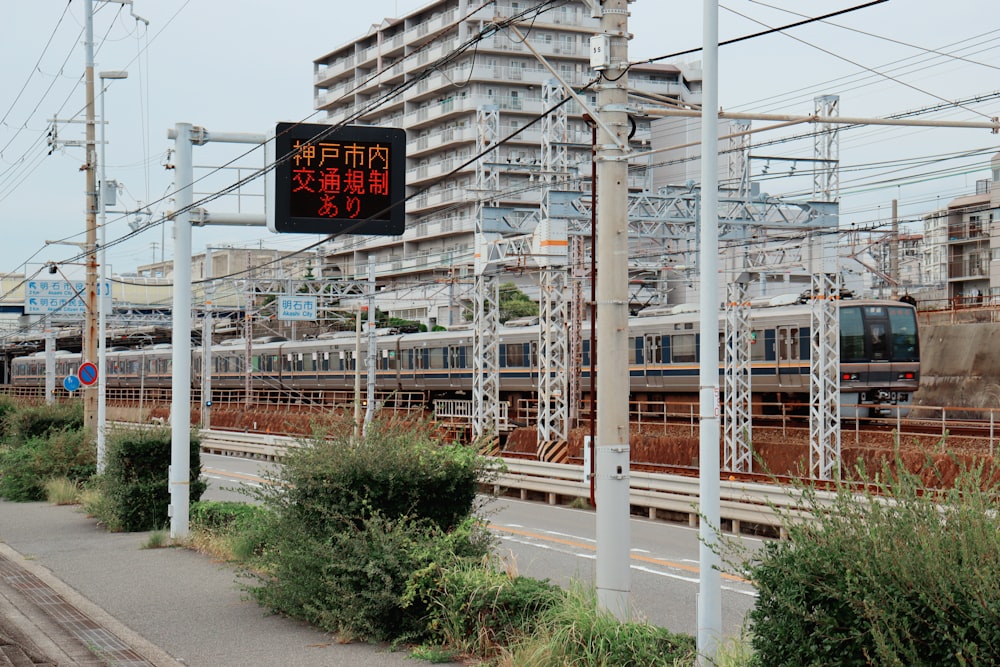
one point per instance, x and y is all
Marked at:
(612, 450)
(206, 345)
(894, 251)
(710, 584)
(90, 319)
(372, 359)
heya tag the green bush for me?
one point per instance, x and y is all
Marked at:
(136, 485)
(224, 516)
(894, 575)
(353, 521)
(396, 470)
(39, 421)
(25, 468)
(7, 408)
(354, 581)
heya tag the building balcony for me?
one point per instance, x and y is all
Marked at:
(968, 268)
(435, 141)
(425, 30)
(324, 74)
(434, 170)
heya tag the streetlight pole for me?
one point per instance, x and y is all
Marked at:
(102, 335)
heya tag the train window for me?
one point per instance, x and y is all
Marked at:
(878, 339)
(653, 350)
(852, 334)
(635, 350)
(516, 357)
(437, 357)
(788, 343)
(904, 334)
(585, 352)
(758, 348)
(683, 349)
(456, 357)
(133, 367)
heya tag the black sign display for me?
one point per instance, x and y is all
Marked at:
(346, 180)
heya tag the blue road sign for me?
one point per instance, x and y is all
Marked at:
(71, 383)
(87, 373)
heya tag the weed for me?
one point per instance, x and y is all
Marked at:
(62, 491)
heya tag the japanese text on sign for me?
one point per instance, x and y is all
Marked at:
(297, 308)
(339, 180)
(330, 180)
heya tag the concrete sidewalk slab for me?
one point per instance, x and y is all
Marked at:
(172, 606)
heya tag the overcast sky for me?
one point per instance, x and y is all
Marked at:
(242, 65)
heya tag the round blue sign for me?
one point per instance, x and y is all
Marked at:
(71, 383)
(87, 373)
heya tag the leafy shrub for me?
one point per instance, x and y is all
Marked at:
(894, 575)
(396, 470)
(25, 468)
(352, 521)
(7, 407)
(136, 484)
(27, 423)
(354, 581)
(224, 516)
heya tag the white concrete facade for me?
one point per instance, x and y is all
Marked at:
(426, 266)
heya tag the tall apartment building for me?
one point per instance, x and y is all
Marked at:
(961, 252)
(439, 113)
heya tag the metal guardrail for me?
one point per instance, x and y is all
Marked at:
(658, 494)
(262, 446)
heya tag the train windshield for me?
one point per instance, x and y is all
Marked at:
(878, 333)
(903, 323)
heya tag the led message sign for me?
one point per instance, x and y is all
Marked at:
(338, 180)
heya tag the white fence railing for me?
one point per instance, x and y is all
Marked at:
(658, 494)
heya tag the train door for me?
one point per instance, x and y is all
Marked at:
(788, 357)
(654, 361)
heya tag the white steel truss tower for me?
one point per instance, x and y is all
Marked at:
(826, 151)
(486, 310)
(554, 319)
(738, 406)
(824, 378)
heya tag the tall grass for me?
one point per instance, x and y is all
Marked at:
(576, 633)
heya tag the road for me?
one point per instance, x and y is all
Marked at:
(558, 543)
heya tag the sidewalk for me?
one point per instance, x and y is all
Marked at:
(79, 595)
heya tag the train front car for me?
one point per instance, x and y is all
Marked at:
(879, 358)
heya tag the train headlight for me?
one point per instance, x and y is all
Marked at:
(908, 375)
(849, 377)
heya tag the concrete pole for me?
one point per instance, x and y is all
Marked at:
(357, 374)
(612, 449)
(102, 327)
(102, 335)
(206, 346)
(90, 321)
(50, 366)
(180, 405)
(894, 250)
(372, 361)
(710, 588)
